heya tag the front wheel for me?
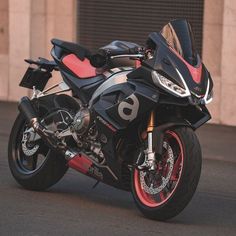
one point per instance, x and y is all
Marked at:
(165, 192)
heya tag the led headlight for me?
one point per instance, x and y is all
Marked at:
(170, 86)
(208, 95)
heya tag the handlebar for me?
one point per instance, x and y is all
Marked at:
(128, 55)
(102, 57)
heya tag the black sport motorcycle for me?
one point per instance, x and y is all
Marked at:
(124, 115)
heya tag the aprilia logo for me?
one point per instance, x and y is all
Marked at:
(106, 123)
(128, 110)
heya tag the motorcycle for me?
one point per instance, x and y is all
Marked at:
(125, 116)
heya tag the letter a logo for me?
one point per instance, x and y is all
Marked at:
(128, 109)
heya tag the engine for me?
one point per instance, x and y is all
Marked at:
(81, 121)
(85, 133)
(79, 125)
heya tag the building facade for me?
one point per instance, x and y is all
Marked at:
(27, 26)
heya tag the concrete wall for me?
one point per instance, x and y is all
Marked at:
(219, 55)
(4, 27)
(228, 66)
(26, 27)
(4, 38)
(32, 24)
(212, 47)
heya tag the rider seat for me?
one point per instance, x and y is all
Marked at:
(78, 58)
(75, 57)
(74, 48)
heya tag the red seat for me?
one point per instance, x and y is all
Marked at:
(83, 69)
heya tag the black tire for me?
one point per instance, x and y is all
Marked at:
(49, 172)
(185, 186)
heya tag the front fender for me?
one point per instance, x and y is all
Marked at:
(159, 131)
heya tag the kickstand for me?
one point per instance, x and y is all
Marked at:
(96, 184)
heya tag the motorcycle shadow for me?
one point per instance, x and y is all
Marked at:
(81, 188)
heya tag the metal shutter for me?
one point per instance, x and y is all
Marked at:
(102, 21)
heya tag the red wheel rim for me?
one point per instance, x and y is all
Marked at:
(160, 198)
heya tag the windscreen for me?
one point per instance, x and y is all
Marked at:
(179, 37)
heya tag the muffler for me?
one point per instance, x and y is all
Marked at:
(26, 108)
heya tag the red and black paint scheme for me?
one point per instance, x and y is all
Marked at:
(124, 104)
(118, 116)
(85, 165)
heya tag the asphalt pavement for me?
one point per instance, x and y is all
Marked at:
(72, 207)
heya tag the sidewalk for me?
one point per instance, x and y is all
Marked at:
(218, 142)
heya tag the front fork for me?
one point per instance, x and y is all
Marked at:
(150, 153)
(149, 161)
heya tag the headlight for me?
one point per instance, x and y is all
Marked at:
(208, 95)
(170, 86)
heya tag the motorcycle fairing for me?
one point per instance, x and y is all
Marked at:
(97, 171)
(196, 116)
(196, 72)
(82, 88)
(122, 104)
(170, 57)
(113, 77)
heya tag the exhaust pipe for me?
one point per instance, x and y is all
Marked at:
(26, 108)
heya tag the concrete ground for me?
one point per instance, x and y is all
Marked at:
(72, 207)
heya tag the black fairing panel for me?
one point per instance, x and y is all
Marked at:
(126, 103)
(83, 88)
(141, 74)
(166, 61)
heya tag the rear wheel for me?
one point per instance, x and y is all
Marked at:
(164, 192)
(33, 164)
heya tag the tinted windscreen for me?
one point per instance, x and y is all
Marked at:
(179, 36)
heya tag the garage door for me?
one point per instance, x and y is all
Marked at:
(102, 21)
